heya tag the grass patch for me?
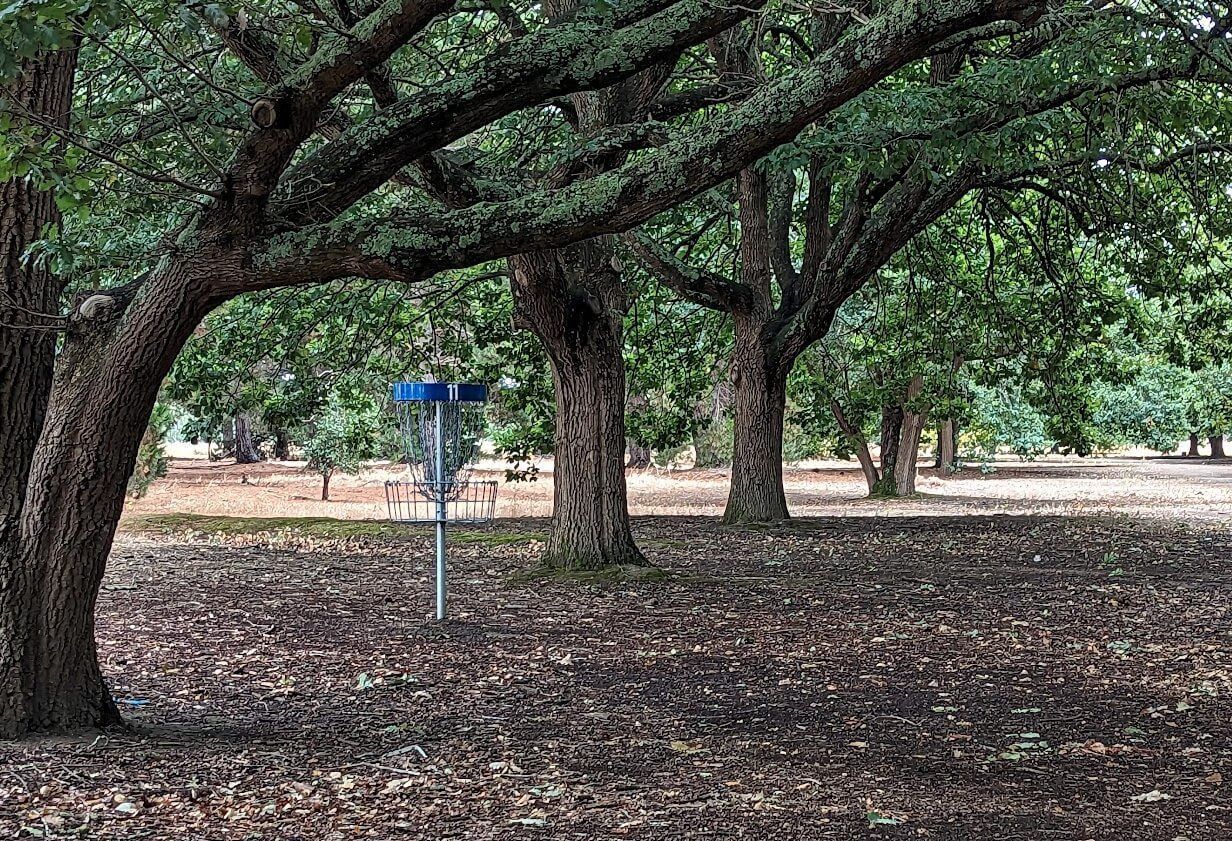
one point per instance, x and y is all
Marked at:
(468, 535)
(663, 543)
(324, 528)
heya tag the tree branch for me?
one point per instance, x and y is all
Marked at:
(415, 244)
(697, 285)
(288, 112)
(557, 59)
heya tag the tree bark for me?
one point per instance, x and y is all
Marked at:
(325, 476)
(947, 444)
(1193, 446)
(891, 432)
(246, 451)
(282, 445)
(759, 380)
(901, 428)
(106, 381)
(859, 443)
(908, 452)
(1217, 450)
(29, 301)
(573, 300)
(640, 456)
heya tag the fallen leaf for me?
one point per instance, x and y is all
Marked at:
(1152, 796)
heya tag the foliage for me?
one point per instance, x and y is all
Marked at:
(1147, 410)
(345, 434)
(1001, 418)
(800, 443)
(1210, 400)
(521, 442)
(712, 444)
(660, 425)
(152, 461)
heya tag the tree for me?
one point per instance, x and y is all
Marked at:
(38, 82)
(292, 193)
(1002, 417)
(819, 218)
(342, 438)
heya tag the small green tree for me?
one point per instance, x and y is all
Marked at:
(344, 436)
(1210, 400)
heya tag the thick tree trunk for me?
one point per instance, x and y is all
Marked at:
(246, 451)
(282, 445)
(29, 302)
(106, 381)
(640, 456)
(573, 300)
(1193, 446)
(325, 476)
(759, 384)
(1217, 446)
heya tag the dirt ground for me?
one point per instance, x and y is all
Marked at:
(1043, 652)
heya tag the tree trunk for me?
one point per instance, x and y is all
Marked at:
(901, 429)
(246, 451)
(282, 445)
(858, 443)
(947, 445)
(908, 453)
(573, 300)
(325, 474)
(759, 383)
(106, 381)
(1217, 446)
(226, 443)
(28, 293)
(640, 456)
(891, 432)
(1193, 445)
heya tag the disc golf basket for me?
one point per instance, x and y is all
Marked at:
(441, 424)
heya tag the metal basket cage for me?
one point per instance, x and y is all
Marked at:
(416, 502)
(446, 463)
(441, 424)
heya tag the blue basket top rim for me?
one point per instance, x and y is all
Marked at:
(440, 392)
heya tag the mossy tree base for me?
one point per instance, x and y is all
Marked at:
(567, 555)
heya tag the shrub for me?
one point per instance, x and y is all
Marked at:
(152, 459)
(712, 444)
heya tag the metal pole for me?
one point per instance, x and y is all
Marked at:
(440, 512)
